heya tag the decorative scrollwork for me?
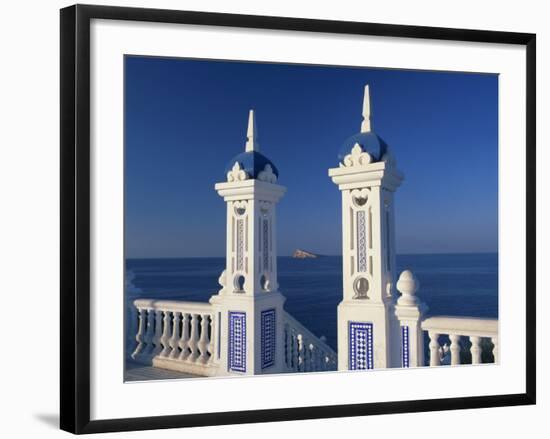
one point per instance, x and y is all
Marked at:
(357, 157)
(267, 174)
(360, 196)
(239, 207)
(236, 173)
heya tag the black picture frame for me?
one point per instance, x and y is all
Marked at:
(75, 217)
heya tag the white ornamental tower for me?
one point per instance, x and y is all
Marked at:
(249, 305)
(368, 331)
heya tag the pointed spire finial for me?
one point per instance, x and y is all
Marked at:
(365, 125)
(251, 134)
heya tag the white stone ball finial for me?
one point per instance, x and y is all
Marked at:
(408, 286)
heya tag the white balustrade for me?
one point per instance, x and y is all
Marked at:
(176, 335)
(457, 329)
(304, 352)
(182, 336)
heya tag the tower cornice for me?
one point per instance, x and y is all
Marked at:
(374, 174)
(250, 189)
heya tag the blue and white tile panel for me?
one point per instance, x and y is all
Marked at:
(237, 341)
(405, 346)
(361, 346)
(268, 337)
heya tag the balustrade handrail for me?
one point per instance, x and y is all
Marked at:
(466, 326)
(298, 327)
(172, 305)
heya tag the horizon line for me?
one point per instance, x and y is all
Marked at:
(319, 255)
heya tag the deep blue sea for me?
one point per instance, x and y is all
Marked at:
(450, 284)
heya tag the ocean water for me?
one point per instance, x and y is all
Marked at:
(450, 284)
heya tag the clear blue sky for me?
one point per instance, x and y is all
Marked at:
(185, 119)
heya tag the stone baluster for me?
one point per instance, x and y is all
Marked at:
(303, 353)
(174, 340)
(140, 335)
(409, 311)
(475, 349)
(213, 338)
(494, 340)
(133, 323)
(288, 347)
(300, 365)
(204, 340)
(194, 338)
(294, 359)
(307, 356)
(455, 349)
(158, 333)
(165, 339)
(434, 348)
(184, 340)
(150, 333)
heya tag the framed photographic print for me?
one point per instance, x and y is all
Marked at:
(268, 218)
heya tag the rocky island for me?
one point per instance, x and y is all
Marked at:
(302, 254)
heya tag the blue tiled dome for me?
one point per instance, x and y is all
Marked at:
(252, 162)
(369, 142)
